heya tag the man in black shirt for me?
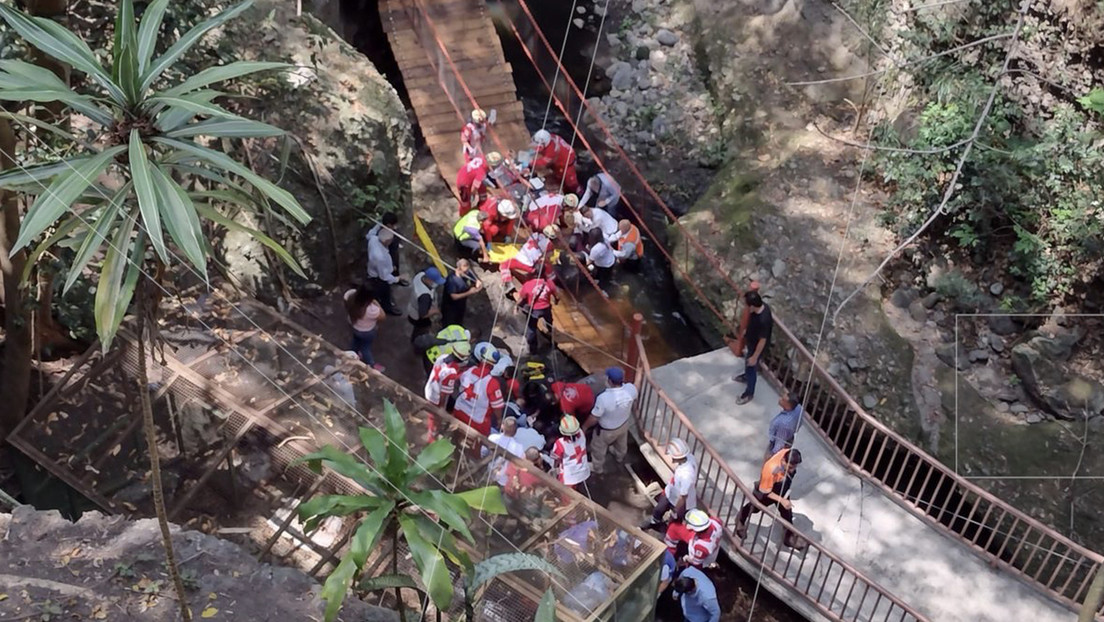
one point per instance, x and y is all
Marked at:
(760, 324)
(458, 287)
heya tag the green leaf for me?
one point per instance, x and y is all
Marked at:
(368, 533)
(446, 541)
(487, 500)
(343, 464)
(430, 562)
(81, 103)
(225, 162)
(186, 41)
(546, 612)
(147, 194)
(37, 175)
(24, 120)
(180, 218)
(387, 582)
(373, 441)
(124, 68)
(147, 32)
(221, 73)
(57, 42)
(337, 586)
(98, 233)
(177, 117)
(214, 216)
(449, 509)
(490, 568)
(227, 128)
(337, 505)
(435, 457)
(61, 194)
(60, 232)
(110, 292)
(196, 104)
(398, 448)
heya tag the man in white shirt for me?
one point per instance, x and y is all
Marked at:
(381, 270)
(605, 191)
(611, 415)
(593, 217)
(507, 440)
(681, 493)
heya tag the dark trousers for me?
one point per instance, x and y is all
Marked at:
(362, 344)
(662, 505)
(779, 489)
(382, 290)
(419, 328)
(751, 375)
(531, 331)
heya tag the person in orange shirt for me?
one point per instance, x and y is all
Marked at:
(773, 487)
(630, 246)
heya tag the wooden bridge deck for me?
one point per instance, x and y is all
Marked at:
(420, 31)
(440, 102)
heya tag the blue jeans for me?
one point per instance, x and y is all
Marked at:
(362, 344)
(751, 374)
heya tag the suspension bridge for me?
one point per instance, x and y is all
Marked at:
(894, 534)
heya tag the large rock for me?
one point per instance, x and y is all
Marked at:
(349, 119)
(94, 565)
(1053, 388)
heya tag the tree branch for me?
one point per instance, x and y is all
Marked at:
(949, 192)
(965, 46)
(890, 149)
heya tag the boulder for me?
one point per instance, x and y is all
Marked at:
(953, 355)
(1002, 325)
(902, 297)
(918, 312)
(666, 37)
(849, 346)
(1053, 388)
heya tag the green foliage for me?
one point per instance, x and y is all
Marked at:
(145, 119)
(1094, 101)
(960, 291)
(402, 494)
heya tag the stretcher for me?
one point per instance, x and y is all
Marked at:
(501, 252)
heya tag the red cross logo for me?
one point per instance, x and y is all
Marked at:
(469, 392)
(578, 454)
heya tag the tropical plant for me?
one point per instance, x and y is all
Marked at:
(145, 139)
(403, 502)
(133, 180)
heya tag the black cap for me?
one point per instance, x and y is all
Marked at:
(794, 457)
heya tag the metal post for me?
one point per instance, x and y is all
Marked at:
(632, 350)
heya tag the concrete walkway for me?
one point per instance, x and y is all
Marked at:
(929, 571)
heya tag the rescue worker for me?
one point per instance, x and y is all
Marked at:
(471, 184)
(473, 134)
(536, 299)
(629, 248)
(772, 488)
(611, 416)
(573, 398)
(605, 191)
(479, 399)
(501, 173)
(555, 154)
(700, 533)
(698, 597)
(570, 453)
(468, 233)
(499, 226)
(546, 208)
(680, 494)
(530, 255)
(443, 376)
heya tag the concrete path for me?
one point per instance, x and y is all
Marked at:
(929, 571)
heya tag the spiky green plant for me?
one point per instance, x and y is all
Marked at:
(131, 187)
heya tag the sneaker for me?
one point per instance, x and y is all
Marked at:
(378, 367)
(744, 399)
(741, 378)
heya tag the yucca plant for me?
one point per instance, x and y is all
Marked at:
(131, 187)
(403, 502)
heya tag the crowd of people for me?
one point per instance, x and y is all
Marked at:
(529, 204)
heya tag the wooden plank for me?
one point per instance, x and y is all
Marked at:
(436, 114)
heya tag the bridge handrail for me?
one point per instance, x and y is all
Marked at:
(837, 583)
(869, 448)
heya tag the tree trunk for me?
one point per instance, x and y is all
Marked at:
(155, 457)
(15, 380)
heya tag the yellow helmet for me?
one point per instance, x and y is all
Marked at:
(493, 159)
(571, 200)
(569, 425)
(478, 116)
(551, 231)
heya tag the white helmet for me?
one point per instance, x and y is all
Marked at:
(507, 209)
(571, 201)
(478, 116)
(485, 352)
(697, 520)
(493, 159)
(677, 449)
(551, 231)
(542, 138)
